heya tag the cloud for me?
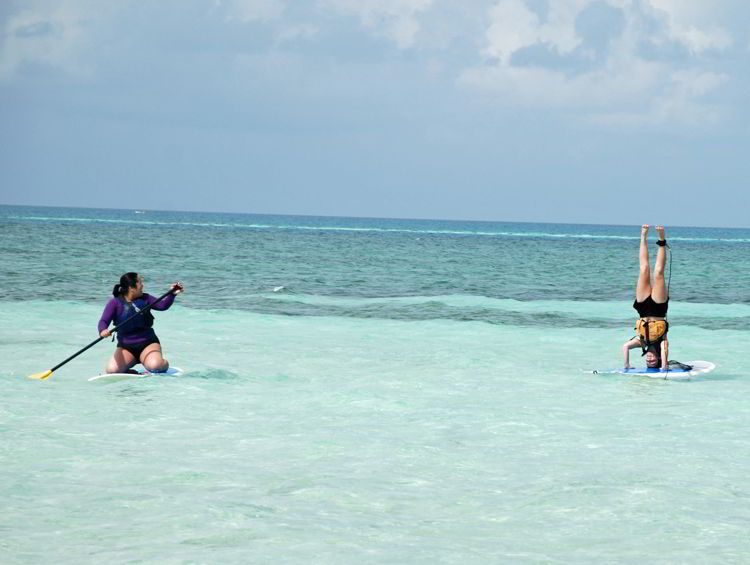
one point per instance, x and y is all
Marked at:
(625, 58)
(514, 25)
(53, 35)
(395, 20)
(537, 87)
(296, 32)
(623, 84)
(689, 22)
(246, 11)
(677, 103)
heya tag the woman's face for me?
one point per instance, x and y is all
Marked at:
(652, 360)
(137, 290)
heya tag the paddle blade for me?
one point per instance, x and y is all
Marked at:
(42, 375)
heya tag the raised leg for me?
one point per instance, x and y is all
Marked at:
(659, 290)
(643, 288)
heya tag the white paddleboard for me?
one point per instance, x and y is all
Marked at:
(137, 372)
(698, 367)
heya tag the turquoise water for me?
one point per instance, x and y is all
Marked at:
(364, 390)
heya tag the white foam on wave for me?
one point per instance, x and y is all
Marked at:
(611, 309)
(373, 229)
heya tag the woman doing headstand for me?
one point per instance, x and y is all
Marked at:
(651, 302)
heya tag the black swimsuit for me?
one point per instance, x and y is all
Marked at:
(648, 308)
(136, 349)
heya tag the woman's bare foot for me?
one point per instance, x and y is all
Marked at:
(660, 232)
(644, 231)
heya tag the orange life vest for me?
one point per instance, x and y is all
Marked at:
(651, 332)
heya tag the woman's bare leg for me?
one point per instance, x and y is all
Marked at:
(659, 290)
(643, 288)
(121, 361)
(152, 360)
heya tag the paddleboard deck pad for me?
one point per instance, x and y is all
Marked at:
(135, 373)
(674, 372)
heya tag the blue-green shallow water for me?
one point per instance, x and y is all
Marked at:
(413, 394)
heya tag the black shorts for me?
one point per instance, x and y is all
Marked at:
(135, 349)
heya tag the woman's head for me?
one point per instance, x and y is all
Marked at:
(128, 281)
(653, 356)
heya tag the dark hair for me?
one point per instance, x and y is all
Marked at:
(128, 280)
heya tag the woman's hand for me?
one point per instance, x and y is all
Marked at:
(105, 333)
(177, 288)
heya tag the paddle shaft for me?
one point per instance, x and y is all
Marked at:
(93, 343)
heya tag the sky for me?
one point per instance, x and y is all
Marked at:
(576, 111)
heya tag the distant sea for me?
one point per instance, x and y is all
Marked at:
(363, 390)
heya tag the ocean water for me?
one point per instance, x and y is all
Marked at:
(369, 391)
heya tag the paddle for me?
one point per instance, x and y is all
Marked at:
(48, 372)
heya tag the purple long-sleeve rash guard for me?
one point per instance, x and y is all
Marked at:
(115, 308)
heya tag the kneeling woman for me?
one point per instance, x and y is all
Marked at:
(136, 340)
(651, 302)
